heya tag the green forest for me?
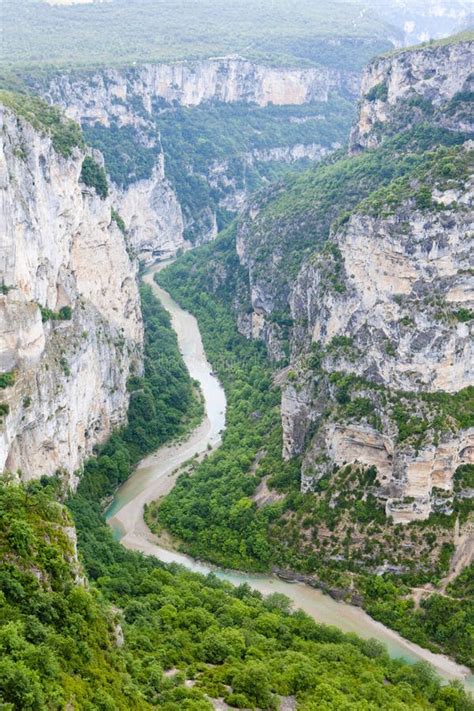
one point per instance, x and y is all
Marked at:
(211, 508)
(268, 30)
(140, 634)
(193, 140)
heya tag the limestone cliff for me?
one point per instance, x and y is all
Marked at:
(152, 215)
(70, 321)
(127, 104)
(376, 311)
(99, 95)
(405, 278)
(425, 83)
(235, 199)
(400, 331)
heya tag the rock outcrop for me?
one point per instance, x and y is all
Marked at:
(400, 325)
(152, 215)
(406, 277)
(408, 479)
(235, 195)
(70, 321)
(410, 86)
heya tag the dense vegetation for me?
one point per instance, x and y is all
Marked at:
(61, 645)
(212, 510)
(127, 159)
(39, 34)
(446, 168)
(141, 630)
(186, 638)
(341, 533)
(195, 140)
(7, 379)
(93, 175)
(56, 637)
(64, 314)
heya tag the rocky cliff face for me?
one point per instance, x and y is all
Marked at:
(411, 86)
(400, 331)
(100, 95)
(70, 321)
(405, 278)
(234, 200)
(129, 100)
(152, 215)
(380, 318)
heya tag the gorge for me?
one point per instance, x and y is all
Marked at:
(155, 476)
(206, 458)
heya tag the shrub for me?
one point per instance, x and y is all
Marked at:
(464, 315)
(118, 221)
(64, 314)
(93, 175)
(379, 92)
(6, 380)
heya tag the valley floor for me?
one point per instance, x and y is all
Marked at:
(156, 476)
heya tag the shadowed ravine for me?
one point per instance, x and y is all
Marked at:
(155, 477)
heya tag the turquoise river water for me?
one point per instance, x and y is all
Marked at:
(155, 477)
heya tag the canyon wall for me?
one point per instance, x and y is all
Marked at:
(152, 215)
(100, 95)
(405, 277)
(70, 321)
(130, 100)
(377, 320)
(424, 83)
(400, 332)
(235, 198)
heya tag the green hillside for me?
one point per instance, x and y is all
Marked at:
(36, 33)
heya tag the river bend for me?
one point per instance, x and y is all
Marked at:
(155, 477)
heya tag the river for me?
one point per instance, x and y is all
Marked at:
(156, 474)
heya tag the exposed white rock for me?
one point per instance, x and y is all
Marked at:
(59, 247)
(132, 96)
(100, 95)
(405, 278)
(297, 412)
(152, 215)
(347, 444)
(235, 199)
(400, 272)
(434, 74)
(406, 478)
(391, 293)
